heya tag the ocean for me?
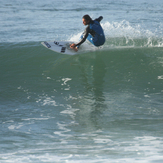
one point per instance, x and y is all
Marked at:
(101, 106)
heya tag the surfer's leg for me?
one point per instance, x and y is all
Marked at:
(96, 41)
(90, 38)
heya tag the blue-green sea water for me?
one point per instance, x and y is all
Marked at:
(103, 106)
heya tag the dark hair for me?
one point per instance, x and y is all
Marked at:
(87, 17)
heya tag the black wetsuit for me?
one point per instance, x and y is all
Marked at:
(94, 33)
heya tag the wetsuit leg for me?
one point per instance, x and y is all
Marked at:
(90, 38)
(96, 41)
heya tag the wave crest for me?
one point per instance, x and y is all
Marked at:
(124, 34)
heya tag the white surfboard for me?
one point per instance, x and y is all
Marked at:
(60, 47)
(64, 47)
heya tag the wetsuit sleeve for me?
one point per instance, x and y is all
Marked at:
(85, 35)
(99, 19)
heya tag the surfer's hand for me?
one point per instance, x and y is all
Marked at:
(72, 45)
(76, 48)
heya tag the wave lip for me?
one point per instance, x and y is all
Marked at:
(124, 34)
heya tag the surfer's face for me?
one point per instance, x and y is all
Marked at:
(85, 22)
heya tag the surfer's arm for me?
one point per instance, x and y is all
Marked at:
(85, 35)
(99, 19)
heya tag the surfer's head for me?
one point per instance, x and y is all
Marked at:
(86, 19)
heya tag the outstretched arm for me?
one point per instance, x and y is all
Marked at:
(85, 35)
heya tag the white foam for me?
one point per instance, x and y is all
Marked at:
(124, 33)
(70, 111)
(160, 77)
(47, 101)
(121, 29)
(65, 80)
(37, 119)
(75, 37)
(102, 140)
(142, 149)
(12, 127)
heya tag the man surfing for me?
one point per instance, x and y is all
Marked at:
(93, 32)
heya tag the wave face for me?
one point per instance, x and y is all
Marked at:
(122, 66)
(100, 94)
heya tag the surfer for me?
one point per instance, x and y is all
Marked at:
(93, 33)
